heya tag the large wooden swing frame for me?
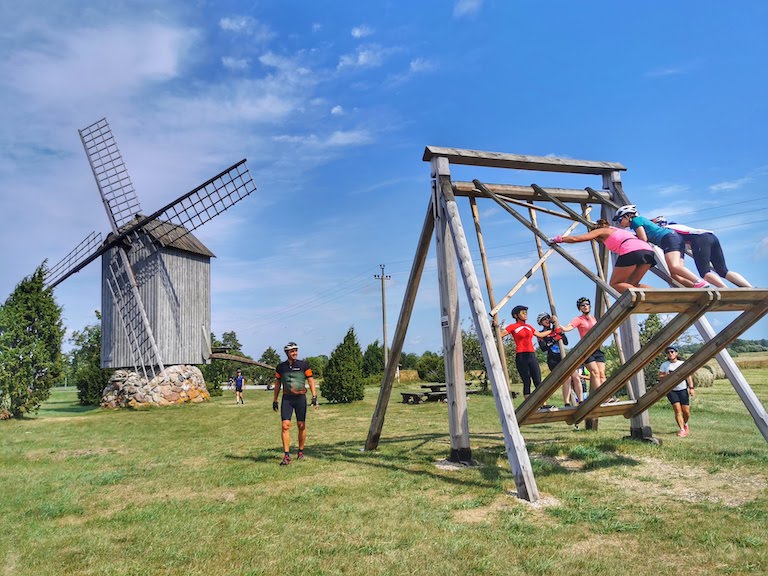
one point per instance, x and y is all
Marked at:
(689, 307)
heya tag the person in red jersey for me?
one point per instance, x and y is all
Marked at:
(525, 355)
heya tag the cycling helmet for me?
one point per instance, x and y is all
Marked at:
(660, 220)
(517, 309)
(624, 210)
(541, 317)
(291, 346)
(581, 301)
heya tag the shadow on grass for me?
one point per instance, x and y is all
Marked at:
(410, 455)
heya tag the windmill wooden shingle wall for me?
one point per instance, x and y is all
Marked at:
(175, 286)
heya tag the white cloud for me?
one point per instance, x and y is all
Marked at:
(730, 185)
(66, 67)
(337, 111)
(234, 63)
(466, 7)
(418, 65)
(249, 26)
(365, 57)
(672, 189)
(361, 31)
(338, 138)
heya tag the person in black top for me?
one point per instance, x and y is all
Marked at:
(292, 376)
(552, 345)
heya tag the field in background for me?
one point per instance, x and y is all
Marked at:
(198, 490)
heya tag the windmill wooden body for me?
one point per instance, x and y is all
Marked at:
(155, 273)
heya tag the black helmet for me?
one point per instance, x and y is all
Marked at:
(581, 301)
(517, 309)
(291, 346)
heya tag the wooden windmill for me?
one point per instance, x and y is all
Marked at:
(155, 274)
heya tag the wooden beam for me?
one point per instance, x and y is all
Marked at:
(552, 415)
(519, 161)
(517, 456)
(243, 359)
(702, 355)
(525, 193)
(409, 298)
(613, 317)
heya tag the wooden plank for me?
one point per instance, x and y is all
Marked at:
(613, 317)
(409, 298)
(519, 193)
(641, 357)
(520, 161)
(702, 355)
(517, 456)
(243, 359)
(450, 319)
(740, 384)
(566, 414)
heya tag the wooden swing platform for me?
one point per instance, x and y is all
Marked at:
(689, 305)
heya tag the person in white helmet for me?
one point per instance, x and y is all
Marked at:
(707, 254)
(665, 238)
(552, 345)
(635, 256)
(293, 376)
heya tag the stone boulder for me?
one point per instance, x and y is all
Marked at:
(127, 389)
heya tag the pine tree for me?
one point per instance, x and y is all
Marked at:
(343, 378)
(31, 335)
(85, 364)
(373, 359)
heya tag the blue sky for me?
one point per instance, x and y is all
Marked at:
(333, 102)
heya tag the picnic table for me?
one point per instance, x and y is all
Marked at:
(437, 393)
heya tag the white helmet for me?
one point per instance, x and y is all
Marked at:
(543, 316)
(624, 210)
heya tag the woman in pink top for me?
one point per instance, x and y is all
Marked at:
(635, 255)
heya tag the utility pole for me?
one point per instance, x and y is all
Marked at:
(383, 277)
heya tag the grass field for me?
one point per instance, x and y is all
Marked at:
(198, 490)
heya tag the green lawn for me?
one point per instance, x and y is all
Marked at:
(198, 490)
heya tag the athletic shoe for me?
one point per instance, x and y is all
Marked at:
(686, 427)
(683, 433)
(286, 460)
(300, 455)
(701, 284)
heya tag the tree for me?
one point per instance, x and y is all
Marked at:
(373, 359)
(318, 365)
(85, 364)
(219, 371)
(31, 334)
(264, 376)
(343, 379)
(408, 360)
(648, 330)
(431, 367)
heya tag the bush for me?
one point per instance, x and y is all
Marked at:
(343, 378)
(85, 364)
(431, 367)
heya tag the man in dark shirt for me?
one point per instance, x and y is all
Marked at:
(292, 376)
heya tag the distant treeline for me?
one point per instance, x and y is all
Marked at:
(738, 346)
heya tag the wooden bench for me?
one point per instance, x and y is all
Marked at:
(412, 397)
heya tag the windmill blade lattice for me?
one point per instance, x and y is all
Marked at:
(127, 300)
(115, 186)
(82, 255)
(202, 204)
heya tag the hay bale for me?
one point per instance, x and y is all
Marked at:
(703, 378)
(714, 367)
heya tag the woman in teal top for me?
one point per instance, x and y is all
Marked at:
(668, 240)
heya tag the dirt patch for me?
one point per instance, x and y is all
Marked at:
(59, 455)
(661, 479)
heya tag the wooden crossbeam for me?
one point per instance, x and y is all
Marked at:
(697, 306)
(526, 193)
(607, 324)
(520, 161)
(548, 416)
(703, 354)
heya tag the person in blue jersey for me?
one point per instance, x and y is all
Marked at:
(239, 382)
(292, 377)
(667, 239)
